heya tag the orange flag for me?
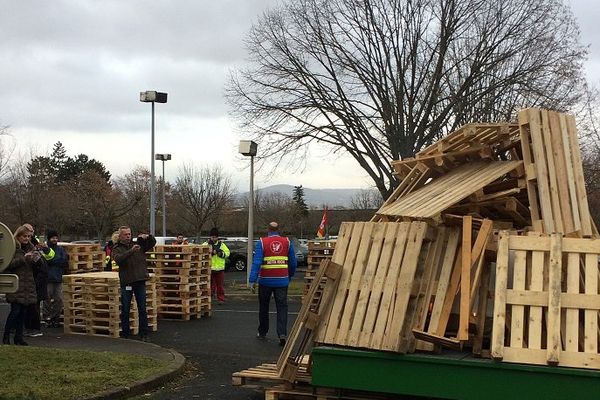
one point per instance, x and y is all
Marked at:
(322, 227)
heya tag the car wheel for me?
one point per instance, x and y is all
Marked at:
(239, 264)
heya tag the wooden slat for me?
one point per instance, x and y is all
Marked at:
(389, 288)
(554, 288)
(404, 286)
(584, 210)
(572, 315)
(538, 263)
(548, 162)
(560, 167)
(517, 321)
(573, 200)
(465, 281)
(378, 284)
(444, 280)
(497, 345)
(591, 316)
(365, 282)
(532, 191)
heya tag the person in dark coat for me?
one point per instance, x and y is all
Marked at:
(33, 325)
(133, 274)
(26, 258)
(58, 263)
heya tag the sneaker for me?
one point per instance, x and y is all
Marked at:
(35, 334)
(261, 337)
(282, 342)
(144, 338)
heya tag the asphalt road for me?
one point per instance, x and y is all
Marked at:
(217, 346)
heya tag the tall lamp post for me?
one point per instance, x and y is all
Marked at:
(163, 158)
(249, 148)
(152, 96)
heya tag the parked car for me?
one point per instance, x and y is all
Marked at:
(238, 257)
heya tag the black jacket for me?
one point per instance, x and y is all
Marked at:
(132, 264)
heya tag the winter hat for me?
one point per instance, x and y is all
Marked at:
(214, 232)
(273, 226)
(51, 233)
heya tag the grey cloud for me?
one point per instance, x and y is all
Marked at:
(80, 65)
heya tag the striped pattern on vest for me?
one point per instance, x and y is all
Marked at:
(275, 257)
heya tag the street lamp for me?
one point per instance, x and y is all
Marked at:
(249, 148)
(152, 96)
(163, 158)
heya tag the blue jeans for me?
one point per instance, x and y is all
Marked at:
(15, 320)
(264, 298)
(137, 289)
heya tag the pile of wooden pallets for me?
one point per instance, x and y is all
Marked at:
(183, 280)
(92, 304)
(84, 257)
(318, 250)
(487, 245)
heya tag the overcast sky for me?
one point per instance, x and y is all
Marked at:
(72, 70)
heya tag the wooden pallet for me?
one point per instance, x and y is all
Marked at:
(555, 182)
(442, 193)
(547, 301)
(315, 303)
(92, 304)
(495, 136)
(375, 298)
(265, 375)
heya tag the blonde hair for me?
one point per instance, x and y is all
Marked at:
(115, 236)
(21, 231)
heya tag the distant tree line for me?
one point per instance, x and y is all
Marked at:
(80, 198)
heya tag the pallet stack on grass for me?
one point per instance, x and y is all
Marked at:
(183, 280)
(84, 257)
(92, 304)
(486, 246)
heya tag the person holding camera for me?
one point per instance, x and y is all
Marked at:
(25, 260)
(219, 252)
(133, 274)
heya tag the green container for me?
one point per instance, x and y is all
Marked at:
(449, 377)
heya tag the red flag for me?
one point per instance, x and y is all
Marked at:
(322, 227)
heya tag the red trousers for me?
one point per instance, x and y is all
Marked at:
(217, 285)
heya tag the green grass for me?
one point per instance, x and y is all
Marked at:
(48, 374)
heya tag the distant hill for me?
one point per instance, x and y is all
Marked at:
(314, 197)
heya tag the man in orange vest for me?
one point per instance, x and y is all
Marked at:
(273, 266)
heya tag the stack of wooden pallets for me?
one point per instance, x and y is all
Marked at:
(487, 245)
(92, 304)
(84, 257)
(183, 280)
(318, 250)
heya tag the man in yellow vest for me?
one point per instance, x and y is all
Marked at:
(219, 253)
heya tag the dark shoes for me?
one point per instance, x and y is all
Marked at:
(282, 341)
(260, 337)
(6, 340)
(21, 342)
(144, 338)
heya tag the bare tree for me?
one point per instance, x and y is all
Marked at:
(7, 147)
(204, 193)
(381, 79)
(367, 199)
(275, 206)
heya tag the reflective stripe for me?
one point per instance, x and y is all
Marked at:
(275, 266)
